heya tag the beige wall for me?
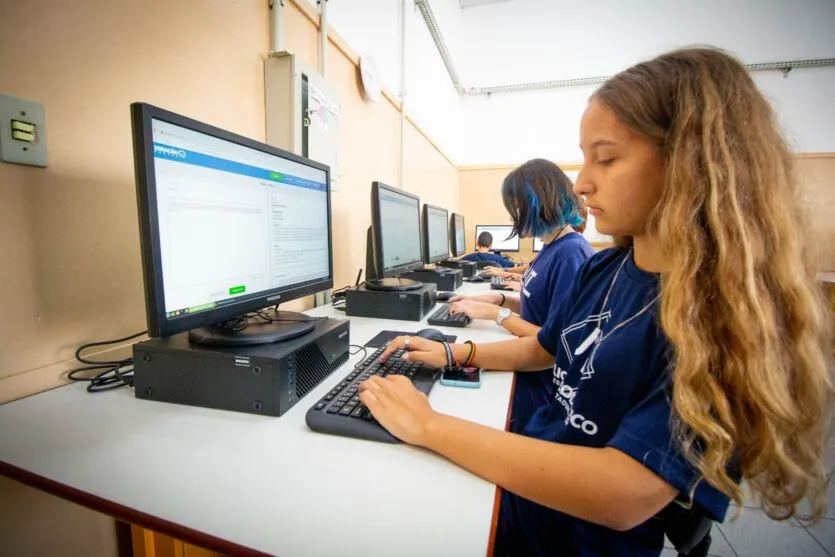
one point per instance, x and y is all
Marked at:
(818, 177)
(36, 524)
(70, 269)
(481, 202)
(70, 249)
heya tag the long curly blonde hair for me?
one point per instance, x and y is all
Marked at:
(749, 328)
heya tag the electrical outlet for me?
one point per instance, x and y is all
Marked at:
(22, 131)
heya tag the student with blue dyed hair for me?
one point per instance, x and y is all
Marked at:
(541, 202)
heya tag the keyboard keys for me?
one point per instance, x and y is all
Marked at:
(444, 318)
(342, 402)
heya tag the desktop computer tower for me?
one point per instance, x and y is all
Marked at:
(444, 279)
(263, 379)
(405, 305)
(469, 268)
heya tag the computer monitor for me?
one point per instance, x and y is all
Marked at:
(435, 234)
(501, 239)
(228, 226)
(395, 224)
(537, 245)
(457, 235)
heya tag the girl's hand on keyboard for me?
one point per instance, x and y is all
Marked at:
(421, 350)
(476, 310)
(514, 285)
(398, 406)
(491, 298)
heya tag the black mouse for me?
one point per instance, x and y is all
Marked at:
(432, 334)
(444, 296)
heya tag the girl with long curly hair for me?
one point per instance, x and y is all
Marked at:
(692, 356)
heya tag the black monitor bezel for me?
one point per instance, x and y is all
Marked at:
(427, 257)
(159, 325)
(453, 237)
(518, 242)
(377, 231)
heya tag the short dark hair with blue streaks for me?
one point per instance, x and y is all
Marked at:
(540, 199)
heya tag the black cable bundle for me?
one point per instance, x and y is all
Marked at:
(108, 375)
(338, 296)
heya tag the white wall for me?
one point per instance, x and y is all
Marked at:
(537, 40)
(533, 40)
(372, 26)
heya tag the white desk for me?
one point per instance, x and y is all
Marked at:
(236, 483)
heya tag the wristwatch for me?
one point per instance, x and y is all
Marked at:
(504, 313)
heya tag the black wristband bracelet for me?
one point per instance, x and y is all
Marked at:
(504, 299)
(449, 360)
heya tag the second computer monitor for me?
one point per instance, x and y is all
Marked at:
(537, 245)
(457, 235)
(435, 233)
(500, 233)
(396, 223)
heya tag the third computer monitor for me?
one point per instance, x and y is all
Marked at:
(435, 233)
(500, 233)
(457, 235)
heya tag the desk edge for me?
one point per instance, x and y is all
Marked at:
(127, 514)
(497, 499)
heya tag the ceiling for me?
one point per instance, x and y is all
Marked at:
(475, 3)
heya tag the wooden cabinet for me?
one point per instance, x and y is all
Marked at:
(147, 543)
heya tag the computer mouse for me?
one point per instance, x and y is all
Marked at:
(432, 334)
(444, 296)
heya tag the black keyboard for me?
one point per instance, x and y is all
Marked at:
(340, 412)
(444, 318)
(498, 283)
(478, 276)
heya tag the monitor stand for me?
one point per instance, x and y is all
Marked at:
(285, 325)
(434, 268)
(393, 284)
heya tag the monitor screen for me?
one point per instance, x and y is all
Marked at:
(436, 233)
(537, 244)
(397, 229)
(500, 233)
(458, 236)
(228, 224)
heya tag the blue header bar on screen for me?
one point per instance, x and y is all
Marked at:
(397, 198)
(167, 152)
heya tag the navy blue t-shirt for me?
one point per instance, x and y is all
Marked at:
(493, 258)
(613, 391)
(545, 284)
